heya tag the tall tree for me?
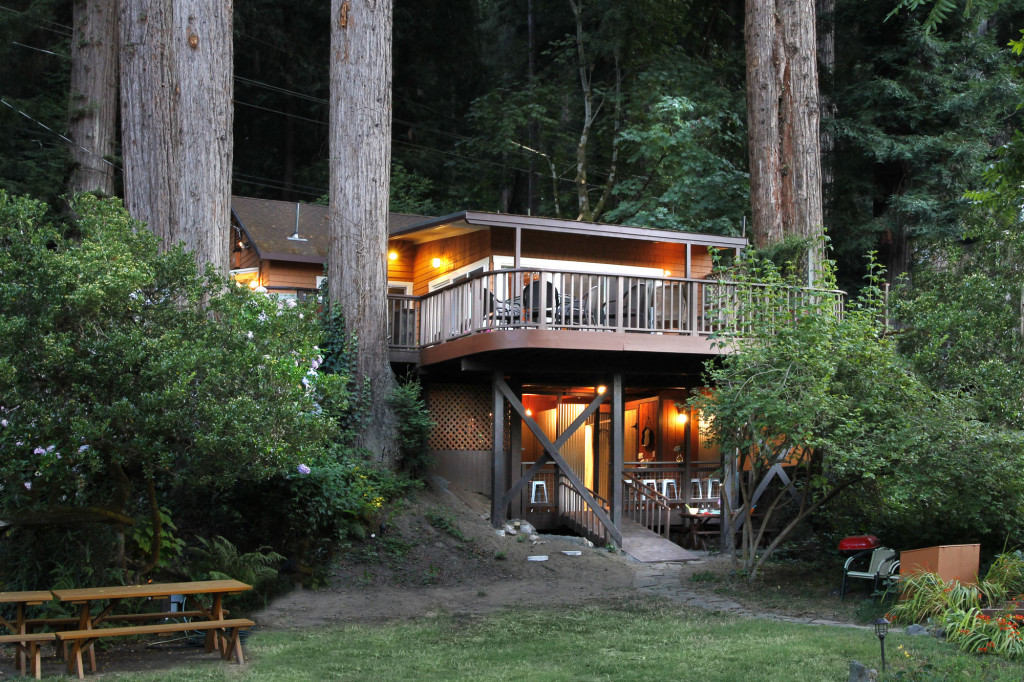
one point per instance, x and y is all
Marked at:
(92, 106)
(782, 120)
(176, 121)
(360, 152)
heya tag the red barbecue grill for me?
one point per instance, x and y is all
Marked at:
(858, 543)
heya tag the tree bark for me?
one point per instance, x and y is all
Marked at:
(360, 142)
(176, 120)
(783, 120)
(92, 109)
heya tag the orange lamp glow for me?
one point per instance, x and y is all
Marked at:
(392, 255)
(601, 390)
(436, 263)
(529, 412)
(681, 418)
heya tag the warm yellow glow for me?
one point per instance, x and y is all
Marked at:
(253, 284)
(392, 255)
(668, 273)
(436, 262)
(601, 390)
(529, 412)
(681, 417)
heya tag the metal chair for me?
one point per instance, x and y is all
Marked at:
(879, 568)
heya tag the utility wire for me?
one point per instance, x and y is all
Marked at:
(49, 129)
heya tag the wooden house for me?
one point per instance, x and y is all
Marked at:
(555, 355)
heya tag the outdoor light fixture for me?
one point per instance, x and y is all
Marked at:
(436, 263)
(392, 255)
(601, 390)
(529, 412)
(882, 629)
(253, 283)
(681, 417)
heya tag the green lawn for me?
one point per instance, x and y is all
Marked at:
(638, 641)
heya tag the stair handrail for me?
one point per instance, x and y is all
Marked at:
(645, 504)
(573, 507)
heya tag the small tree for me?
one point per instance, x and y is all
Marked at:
(807, 393)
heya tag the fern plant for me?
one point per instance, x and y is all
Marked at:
(218, 559)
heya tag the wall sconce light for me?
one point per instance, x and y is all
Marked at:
(529, 412)
(668, 273)
(436, 262)
(681, 417)
(253, 283)
(392, 255)
(243, 245)
(601, 390)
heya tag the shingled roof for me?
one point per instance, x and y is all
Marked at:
(272, 227)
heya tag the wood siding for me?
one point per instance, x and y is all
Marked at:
(402, 268)
(291, 275)
(454, 253)
(467, 469)
(671, 257)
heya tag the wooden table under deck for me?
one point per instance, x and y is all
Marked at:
(17, 626)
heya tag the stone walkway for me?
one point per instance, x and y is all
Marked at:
(664, 580)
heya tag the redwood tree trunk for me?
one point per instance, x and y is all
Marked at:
(783, 120)
(92, 109)
(360, 143)
(176, 121)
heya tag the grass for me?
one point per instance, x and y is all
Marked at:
(639, 640)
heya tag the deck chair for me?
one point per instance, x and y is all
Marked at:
(879, 568)
(532, 301)
(636, 307)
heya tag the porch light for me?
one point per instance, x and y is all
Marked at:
(601, 390)
(436, 263)
(680, 417)
(529, 412)
(668, 273)
(253, 283)
(392, 255)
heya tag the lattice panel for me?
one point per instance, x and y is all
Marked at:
(462, 417)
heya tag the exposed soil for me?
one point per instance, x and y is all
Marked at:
(443, 557)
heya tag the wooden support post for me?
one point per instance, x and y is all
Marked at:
(498, 464)
(515, 454)
(618, 447)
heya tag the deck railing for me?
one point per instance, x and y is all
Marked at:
(575, 511)
(556, 299)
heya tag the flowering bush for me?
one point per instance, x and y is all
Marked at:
(126, 373)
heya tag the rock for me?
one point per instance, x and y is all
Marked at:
(527, 527)
(916, 629)
(510, 529)
(500, 532)
(589, 543)
(534, 538)
(861, 673)
(516, 524)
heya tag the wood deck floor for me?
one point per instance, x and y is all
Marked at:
(646, 546)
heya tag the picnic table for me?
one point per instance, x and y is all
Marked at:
(27, 644)
(209, 616)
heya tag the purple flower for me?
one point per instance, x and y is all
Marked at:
(303, 469)
(28, 485)
(83, 449)
(3, 423)
(51, 448)
(39, 451)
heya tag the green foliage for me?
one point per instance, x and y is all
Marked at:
(121, 366)
(414, 425)
(218, 559)
(978, 633)
(171, 546)
(809, 384)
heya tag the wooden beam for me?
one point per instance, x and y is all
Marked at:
(551, 451)
(550, 448)
(618, 439)
(498, 465)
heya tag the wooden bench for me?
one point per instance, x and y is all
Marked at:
(120, 617)
(83, 639)
(28, 643)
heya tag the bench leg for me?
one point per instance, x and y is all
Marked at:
(37, 659)
(75, 661)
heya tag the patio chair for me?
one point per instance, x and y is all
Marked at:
(636, 307)
(879, 568)
(532, 301)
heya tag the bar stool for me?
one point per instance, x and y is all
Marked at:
(714, 488)
(695, 489)
(539, 487)
(667, 483)
(651, 483)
